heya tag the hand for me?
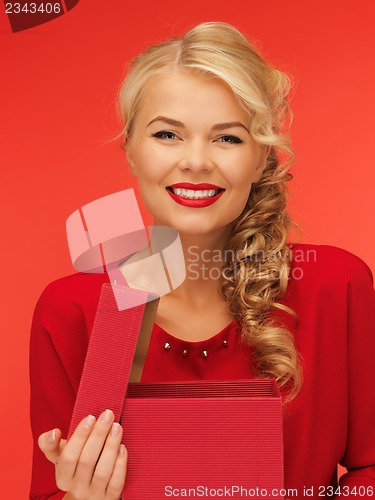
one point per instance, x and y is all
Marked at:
(91, 465)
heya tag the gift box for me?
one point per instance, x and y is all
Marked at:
(203, 438)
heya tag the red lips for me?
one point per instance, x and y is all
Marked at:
(192, 202)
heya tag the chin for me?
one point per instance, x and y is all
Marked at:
(196, 224)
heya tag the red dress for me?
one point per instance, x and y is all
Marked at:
(331, 421)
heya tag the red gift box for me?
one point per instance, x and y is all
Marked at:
(207, 438)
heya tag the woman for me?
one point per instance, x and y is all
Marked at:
(205, 121)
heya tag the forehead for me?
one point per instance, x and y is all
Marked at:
(190, 98)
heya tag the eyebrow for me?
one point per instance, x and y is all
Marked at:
(218, 126)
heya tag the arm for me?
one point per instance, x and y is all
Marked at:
(359, 457)
(57, 332)
(59, 337)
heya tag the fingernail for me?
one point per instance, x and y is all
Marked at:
(106, 416)
(115, 430)
(52, 436)
(122, 450)
(88, 422)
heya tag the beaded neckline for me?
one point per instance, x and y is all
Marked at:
(221, 340)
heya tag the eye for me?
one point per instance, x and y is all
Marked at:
(230, 139)
(165, 134)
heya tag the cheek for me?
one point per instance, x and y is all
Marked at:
(242, 168)
(150, 201)
(241, 176)
(242, 199)
(241, 184)
(153, 167)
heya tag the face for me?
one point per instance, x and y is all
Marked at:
(193, 155)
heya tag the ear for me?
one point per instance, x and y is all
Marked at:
(264, 153)
(129, 154)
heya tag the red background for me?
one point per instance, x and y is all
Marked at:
(57, 118)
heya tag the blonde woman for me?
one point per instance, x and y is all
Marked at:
(205, 123)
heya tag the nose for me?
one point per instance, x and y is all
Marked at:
(195, 157)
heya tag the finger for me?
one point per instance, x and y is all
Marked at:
(117, 482)
(93, 447)
(51, 444)
(70, 455)
(108, 457)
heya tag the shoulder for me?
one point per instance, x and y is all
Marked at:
(74, 285)
(70, 296)
(328, 264)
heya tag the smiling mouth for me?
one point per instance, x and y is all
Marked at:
(195, 194)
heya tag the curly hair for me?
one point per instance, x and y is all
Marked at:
(256, 279)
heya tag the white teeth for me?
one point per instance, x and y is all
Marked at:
(195, 194)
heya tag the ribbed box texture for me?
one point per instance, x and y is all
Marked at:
(110, 353)
(203, 436)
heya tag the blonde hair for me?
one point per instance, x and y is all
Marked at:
(252, 285)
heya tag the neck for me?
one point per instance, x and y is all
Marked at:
(204, 257)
